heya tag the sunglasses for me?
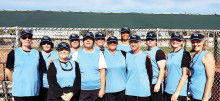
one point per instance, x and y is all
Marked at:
(48, 43)
(29, 37)
(150, 39)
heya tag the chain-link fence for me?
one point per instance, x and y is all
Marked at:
(9, 40)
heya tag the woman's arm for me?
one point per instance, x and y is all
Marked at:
(161, 64)
(181, 84)
(102, 90)
(54, 87)
(209, 63)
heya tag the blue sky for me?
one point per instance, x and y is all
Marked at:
(139, 6)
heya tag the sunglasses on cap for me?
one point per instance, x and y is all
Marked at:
(48, 43)
(24, 37)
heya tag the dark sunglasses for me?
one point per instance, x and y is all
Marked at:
(48, 43)
(29, 37)
(150, 39)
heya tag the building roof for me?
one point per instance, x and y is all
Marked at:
(68, 19)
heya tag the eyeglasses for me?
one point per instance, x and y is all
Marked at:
(48, 43)
(29, 37)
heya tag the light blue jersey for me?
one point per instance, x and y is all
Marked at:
(137, 77)
(198, 78)
(125, 48)
(71, 53)
(26, 79)
(174, 73)
(89, 68)
(53, 55)
(116, 72)
(155, 67)
(65, 78)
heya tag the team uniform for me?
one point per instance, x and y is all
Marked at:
(115, 76)
(63, 77)
(90, 64)
(156, 55)
(175, 62)
(122, 47)
(138, 77)
(27, 67)
(198, 78)
(47, 57)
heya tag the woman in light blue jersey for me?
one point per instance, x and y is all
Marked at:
(63, 76)
(24, 66)
(116, 73)
(202, 69)
(92, 67)
(124, 45)
(74, 43)
(139, 72)
(178, 62)
(46, 45)
(158, 61)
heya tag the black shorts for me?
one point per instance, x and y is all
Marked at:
(156, 96)
(117, 96)
(135, 98)
(89, 95)
(43, 94)
(28, 98)
(180, 98)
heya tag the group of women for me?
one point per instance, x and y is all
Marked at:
(120, 73)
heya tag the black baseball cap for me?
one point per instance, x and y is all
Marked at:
(88, 34)
(198, 36)
(63, 45)
(112, 39)
(99, 35)
(73, 37)
(176, 36)
(125, 29)
(26, 31)
(135, 37)
(46, 39)
(151, 35)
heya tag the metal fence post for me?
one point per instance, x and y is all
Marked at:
(4, 88)
(17, 38)
(216, 47)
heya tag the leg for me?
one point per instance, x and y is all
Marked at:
(110, 97)
(156, 96)
(94, 95)
(130, 98)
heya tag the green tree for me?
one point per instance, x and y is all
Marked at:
(82, 32)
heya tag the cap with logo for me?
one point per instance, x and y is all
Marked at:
(134, 37)
(176, 36)
(198, 36)
(151, 35)
(26, 31)
(112, 39)
(63, 45)
(88, 34)
(125, 29)
(46, 39)
(73, 37)
(99, 35)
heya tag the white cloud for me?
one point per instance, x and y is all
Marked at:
(147, 6)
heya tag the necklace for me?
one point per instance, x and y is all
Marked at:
(66, 69)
